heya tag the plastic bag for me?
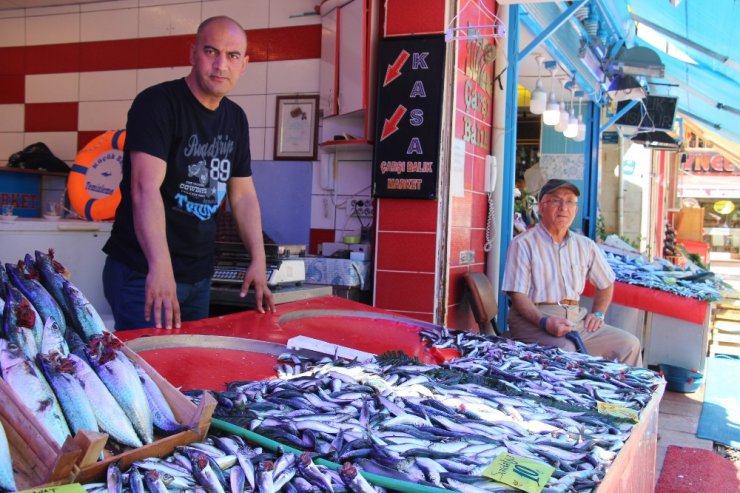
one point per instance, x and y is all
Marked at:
(37, 156)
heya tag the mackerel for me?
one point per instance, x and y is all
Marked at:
(85, 318)
(21, 322)
(52, 339)
(110, 416)
(118, 374)
(26, 279)
(26, 379)
(7, 480)
(162, 416)
(52, 275)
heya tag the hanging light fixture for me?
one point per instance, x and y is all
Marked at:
(551, 116)
(562, 123)
(571, 129)
(581, 134)
(538, 99)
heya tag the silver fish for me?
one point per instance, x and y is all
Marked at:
(113, 479)
(26, 279)
(33, 390)
(162, 415)
(154, 482)
(119, 375)
(85, 317)
(204, 472)
(110, 416)
(7, 480)
(135, 480)
(52, 275)
(21, 322)
(52, 339)
(354, 480)
(72, 398)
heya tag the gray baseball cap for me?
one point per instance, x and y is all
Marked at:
(556, 184)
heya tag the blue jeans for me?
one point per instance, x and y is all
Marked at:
(124, 289)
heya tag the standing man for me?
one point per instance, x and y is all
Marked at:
(187, 147)
(546, 271)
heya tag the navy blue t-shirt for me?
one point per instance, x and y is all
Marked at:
(203, 150)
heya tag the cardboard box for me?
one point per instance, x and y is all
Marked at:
(38, 460)
(690, 224)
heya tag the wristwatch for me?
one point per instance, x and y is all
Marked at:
(599, 315)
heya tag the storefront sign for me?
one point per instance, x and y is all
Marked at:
(708, 162)
(409, 116)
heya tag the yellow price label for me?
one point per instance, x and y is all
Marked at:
(617, 411)
(520, 472)
(62, 488)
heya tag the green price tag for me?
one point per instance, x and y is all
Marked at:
(617, 411)
(62, 488)
(526, 474)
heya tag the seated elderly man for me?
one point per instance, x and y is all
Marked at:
(546, 270)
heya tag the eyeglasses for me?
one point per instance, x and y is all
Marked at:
(568, 204)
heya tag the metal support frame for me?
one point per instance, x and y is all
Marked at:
(509, 166)
(619, 114)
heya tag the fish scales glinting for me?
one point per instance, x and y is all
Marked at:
(442, 425)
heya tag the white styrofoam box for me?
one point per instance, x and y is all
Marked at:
(290, 13)
(328, 348)
(120, 23)
(12, 117)
(322, 212)
(251, 14)
(253, 80)
(62, 144)
(359, 255)
(147, 77)
(10, 142)
(169, 20)
(12, 31)
(52, 88)
(51, 28)
(108, 85)
(254, 106)
(293, 76)
(108, 115)
(257, 143)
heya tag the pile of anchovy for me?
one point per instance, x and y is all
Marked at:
(441, 425)
(227, 464)
(661, 275)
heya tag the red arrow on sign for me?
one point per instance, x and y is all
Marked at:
(394, 71)
(391, 124)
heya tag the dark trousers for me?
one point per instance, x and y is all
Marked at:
(124, 289)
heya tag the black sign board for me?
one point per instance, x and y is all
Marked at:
(661, 110)
(408, 121)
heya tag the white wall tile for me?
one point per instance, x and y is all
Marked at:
(169, 20)
(109, 24)
(12, 118)
(291, 13)
(293, 76)
(254, 107)
(108, 85)
(106, 115)
(257, 143)
(52, 88)
(12, 13)
(12, 32)
(53, 29)
(62, 144)
(253, 80)
(322, 212)
(151, 76)
(154, 3)
(10, 142)
(251, 14)
(354, 177)
(269, 142)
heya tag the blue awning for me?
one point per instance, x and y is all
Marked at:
(706, 30)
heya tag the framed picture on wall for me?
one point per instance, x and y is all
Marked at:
(296, 128)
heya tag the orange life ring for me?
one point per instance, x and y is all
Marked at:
(94, 180)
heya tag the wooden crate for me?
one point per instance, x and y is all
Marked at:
(197, 418)
(37, 458)
(725, 333)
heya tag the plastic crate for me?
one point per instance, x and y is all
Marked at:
(681, 379)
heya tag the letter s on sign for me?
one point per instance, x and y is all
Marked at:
(416, 117)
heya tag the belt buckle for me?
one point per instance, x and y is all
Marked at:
(566, 306)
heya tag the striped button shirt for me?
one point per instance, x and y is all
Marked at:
(548, 272)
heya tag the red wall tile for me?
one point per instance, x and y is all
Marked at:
(83, 137)
(461, 210)
(479, 210)
(459, 241)
(51, 59)
(12, 89)
(14, 61)
(51, 117)
(404, 291)
(407, 215)
(407, 252)
(414, 17)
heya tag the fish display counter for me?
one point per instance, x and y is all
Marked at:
(435, 408)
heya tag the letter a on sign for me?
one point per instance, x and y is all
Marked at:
(415, 147)
(418, 90)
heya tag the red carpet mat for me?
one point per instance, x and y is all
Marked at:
(689, 470)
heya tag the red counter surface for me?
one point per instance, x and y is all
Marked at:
(332, 319)
(656, 301)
